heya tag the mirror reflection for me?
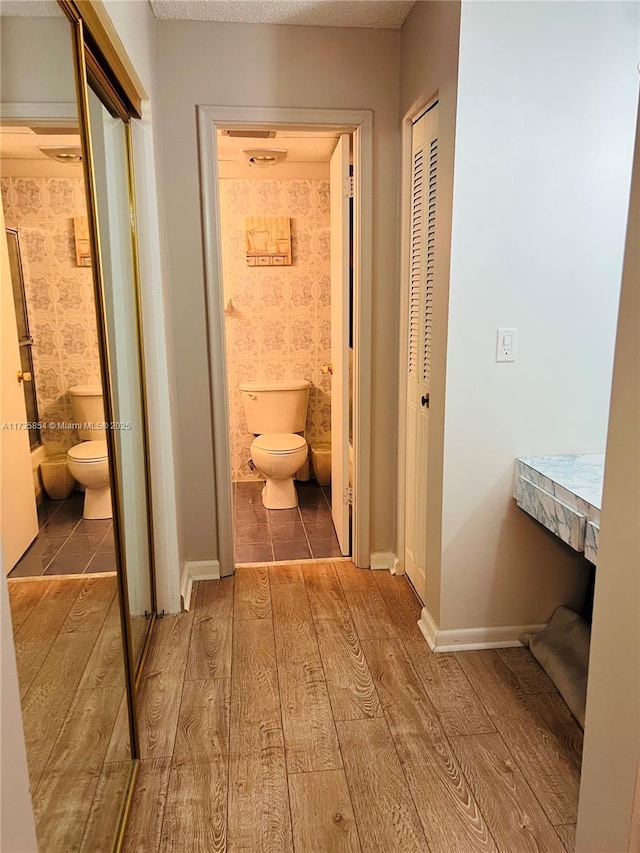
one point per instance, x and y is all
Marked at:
(57, 530)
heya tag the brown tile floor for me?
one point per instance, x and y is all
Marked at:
(68, 544)
(303, 533)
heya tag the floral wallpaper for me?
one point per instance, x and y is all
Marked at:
(60, 300)
(282, 327)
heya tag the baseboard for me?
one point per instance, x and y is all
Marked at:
(383, 560)
(196, 570)
(468, 639)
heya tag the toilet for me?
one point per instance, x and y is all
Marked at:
(276, 414)
(88, 461)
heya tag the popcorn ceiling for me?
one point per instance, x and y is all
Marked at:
(376, 14)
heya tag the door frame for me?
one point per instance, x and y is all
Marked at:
(360, 124)
(415, 111)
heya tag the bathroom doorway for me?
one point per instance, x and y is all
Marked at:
(46, 231)
(285, 262)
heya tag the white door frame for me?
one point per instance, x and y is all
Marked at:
(414, 112)
(360, 123)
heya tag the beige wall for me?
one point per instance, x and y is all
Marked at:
(284, 331)
(612, 726)
(275, 66)
(428, 69)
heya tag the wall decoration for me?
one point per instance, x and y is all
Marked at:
(83, 245)
(268, 241)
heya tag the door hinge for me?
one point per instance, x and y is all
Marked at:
(348, 496)
(347, 187)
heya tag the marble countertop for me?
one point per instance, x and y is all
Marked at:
(563, 493)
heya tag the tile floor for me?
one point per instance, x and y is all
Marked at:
(304, 533)
(68, 544)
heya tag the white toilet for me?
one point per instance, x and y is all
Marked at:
(88, 461)
(276, 411)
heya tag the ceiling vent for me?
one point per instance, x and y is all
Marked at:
(265, 156)
(249, 134)
(64, 154)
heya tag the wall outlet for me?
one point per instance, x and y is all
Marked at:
(506, 346)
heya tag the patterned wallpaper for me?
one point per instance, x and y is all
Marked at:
(60, 300)
(285, 327)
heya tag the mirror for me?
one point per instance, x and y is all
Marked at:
(111, 173)
(58, 541)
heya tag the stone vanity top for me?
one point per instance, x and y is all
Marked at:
(564, 493)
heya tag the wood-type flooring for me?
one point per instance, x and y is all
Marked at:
(71, 676)
(298, 708)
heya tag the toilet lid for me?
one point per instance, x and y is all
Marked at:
(89, 451)
(280, 443)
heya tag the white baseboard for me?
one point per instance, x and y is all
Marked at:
(196, 570)
(468, 639)
(383, 560)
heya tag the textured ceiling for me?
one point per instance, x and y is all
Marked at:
(377, 14)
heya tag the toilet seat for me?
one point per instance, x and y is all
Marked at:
(279, 443)
(89, 451)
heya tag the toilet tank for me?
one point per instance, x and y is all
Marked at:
(88, 408)
(276, 406)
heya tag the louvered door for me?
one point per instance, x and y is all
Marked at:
(421, 289)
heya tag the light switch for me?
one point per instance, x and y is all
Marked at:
(506, 347)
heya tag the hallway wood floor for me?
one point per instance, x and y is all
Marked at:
(298, 708)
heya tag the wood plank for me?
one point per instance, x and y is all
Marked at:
(258, 798)
(370, 616)
(119, 748)
(252, 595)
(531, 676)
(195, 812)
(546, 763)
(402, 603)
(553, 710)
(36, 636)
(91, 605)
(87, 730)
(203, 724)
(23, 597)
(321, 813)
(349, 681)
(310, 736)
(385, 813)
(161, 687)
(567, 834)
(105, 667)
(61, 587)
(259, 818)
(515, 817)
(61, 806)
(107, 807)
(456, 703)
(144, 828)
(210, 647)
(286, 573)
(47, 702)
(447, 809)
(254, 682)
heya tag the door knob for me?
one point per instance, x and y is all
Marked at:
(24, 377)
(425, 400)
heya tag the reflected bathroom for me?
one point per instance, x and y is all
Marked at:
(275, 223)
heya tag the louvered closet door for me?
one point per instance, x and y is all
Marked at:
(421, 287)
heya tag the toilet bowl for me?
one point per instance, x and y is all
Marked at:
(278, 456)
(89, 464)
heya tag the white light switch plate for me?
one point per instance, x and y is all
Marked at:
(507, 345)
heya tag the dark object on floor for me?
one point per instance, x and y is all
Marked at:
(562, 650)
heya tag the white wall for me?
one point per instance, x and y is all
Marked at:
(274, 66)
(136, 27)
(612, 730)
(545, 122)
